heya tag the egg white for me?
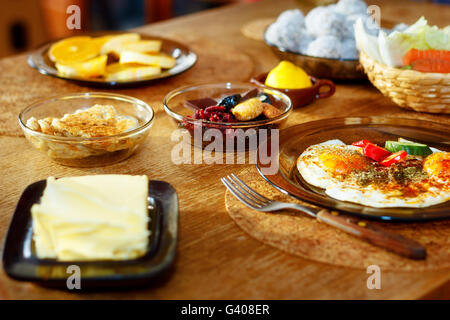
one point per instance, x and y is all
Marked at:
(311, 172)
(371, 197)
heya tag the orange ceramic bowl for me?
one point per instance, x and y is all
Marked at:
(300, 97)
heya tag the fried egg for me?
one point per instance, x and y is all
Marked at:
(348, 175)
(437, 165)
(322, 164)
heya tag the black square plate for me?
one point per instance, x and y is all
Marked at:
(21, 263)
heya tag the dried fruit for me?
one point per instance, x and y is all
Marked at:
(214, 113)
(270, 111)
(230, 101)
(248, 110)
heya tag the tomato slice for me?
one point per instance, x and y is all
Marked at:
(430, 54)
(375, 152)
(394, 158)
(431, 65)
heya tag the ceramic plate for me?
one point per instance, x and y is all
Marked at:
(294, 140)
(184, 56)
(21, 263)
(326, 68)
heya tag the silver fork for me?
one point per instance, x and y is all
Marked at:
(391, 241)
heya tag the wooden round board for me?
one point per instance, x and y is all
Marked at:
(301, 235)
(255, 29)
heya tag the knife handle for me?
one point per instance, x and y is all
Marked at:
(388, 240)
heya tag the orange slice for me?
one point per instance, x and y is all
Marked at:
(73, 50)
(87, 69)
(100, 41)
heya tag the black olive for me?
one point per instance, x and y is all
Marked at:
(230, 101)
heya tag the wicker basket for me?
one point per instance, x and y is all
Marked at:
(419, 91)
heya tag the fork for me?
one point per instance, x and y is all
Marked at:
(388, 240)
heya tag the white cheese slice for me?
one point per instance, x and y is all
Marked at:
(101, 217)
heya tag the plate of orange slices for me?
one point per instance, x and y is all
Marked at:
(112, 59)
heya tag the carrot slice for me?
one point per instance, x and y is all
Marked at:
(415, 54)
(431, 65)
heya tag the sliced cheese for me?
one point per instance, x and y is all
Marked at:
(101, 217)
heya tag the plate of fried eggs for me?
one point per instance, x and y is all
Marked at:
(393, 169)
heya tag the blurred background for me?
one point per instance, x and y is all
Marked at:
(25, 24)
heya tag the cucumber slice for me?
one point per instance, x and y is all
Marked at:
(434, 150)
(412, 148)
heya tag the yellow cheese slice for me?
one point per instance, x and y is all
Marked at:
(101, 217)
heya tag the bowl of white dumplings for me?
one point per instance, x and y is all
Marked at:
(321, 42)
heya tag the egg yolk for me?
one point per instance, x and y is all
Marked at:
(438, 165)
(342, 163)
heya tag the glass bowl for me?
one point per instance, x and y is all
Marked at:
(244, 135)
(81, 151)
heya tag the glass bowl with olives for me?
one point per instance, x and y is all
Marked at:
(237, 116)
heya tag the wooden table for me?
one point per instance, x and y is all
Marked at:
(216, 259)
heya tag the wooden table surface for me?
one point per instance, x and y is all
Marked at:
(216, 259)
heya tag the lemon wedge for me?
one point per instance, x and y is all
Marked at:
(287, 75)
